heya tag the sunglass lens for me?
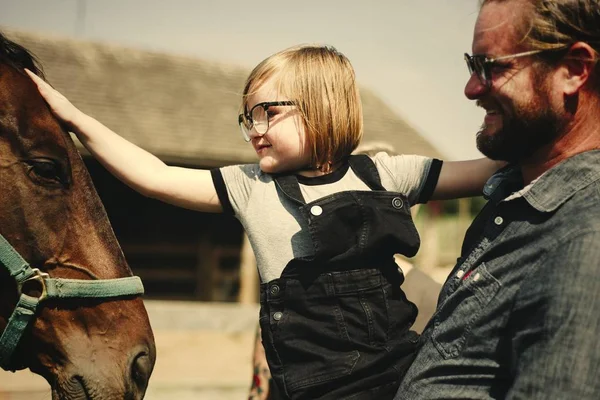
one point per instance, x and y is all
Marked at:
(479, 67)
(469, 62)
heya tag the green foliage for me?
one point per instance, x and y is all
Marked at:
(477, 204)
(451, 207)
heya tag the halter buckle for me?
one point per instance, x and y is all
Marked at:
(35, 286)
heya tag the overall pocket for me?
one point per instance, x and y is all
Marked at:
(390, 225)
(312, 352)
(363, 306)
(455, 318)
(324, 328)
(336, 224)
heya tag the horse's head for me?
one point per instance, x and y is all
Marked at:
(101, 347)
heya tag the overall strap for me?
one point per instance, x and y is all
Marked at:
(288, 185)
(364, 167)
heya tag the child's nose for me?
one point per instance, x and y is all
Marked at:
(253, 134)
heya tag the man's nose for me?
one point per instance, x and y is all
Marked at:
(474, 89)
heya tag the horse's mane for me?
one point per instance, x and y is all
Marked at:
(18, 57)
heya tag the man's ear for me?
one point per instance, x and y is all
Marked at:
(578, 65)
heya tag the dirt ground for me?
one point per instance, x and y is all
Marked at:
(203, 352)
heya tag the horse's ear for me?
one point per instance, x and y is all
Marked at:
(19, 57)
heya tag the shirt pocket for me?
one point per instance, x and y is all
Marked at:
(460, 312)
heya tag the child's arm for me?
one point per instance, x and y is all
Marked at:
(261, 377)
(464, 178)
(142, 171)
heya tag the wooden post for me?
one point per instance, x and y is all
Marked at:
(248, 274)
(430, 251)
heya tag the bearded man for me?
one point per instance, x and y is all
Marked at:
(519, 316)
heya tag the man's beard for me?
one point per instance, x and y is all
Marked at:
(531, 127)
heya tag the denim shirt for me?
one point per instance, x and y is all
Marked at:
(519, 315)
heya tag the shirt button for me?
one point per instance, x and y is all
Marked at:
(316, 210)
(498, 220)
(274, 290)
(397, 203)
(460, 274)
(277, 316)
(476, 277)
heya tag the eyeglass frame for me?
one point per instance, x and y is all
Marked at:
(485, 76)
(248, 117)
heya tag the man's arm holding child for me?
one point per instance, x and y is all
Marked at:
(464, 178)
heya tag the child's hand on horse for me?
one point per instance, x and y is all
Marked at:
(59, 104)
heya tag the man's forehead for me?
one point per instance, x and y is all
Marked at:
(498, 28)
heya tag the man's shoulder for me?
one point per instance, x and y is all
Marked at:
(582, 208)
(569, 269)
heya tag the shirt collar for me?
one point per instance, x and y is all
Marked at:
(552, 188)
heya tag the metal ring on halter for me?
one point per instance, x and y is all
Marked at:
(39, 278)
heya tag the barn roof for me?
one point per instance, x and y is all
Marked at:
(182, 109)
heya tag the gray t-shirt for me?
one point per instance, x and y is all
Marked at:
(275, 228)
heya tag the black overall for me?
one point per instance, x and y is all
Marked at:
(336, 325)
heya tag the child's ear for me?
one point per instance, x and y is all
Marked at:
(578, 65)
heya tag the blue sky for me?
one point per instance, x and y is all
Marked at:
(409, 52)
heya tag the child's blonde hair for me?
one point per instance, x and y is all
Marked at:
(321, 81)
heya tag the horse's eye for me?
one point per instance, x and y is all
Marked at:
(47, 171)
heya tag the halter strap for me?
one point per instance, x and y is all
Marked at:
(50, 288)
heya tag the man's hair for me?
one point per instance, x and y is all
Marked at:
(322, 83)
(554, 24)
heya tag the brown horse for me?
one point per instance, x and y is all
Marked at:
(69, 307)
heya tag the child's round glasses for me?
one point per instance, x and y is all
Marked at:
(258, 118)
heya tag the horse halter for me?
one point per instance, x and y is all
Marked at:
(44, 288)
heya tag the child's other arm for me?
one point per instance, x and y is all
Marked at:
(142, 171)
(464, 178)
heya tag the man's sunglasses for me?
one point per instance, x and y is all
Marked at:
(481, 65)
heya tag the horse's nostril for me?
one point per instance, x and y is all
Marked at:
(76, 388)
(141, 367)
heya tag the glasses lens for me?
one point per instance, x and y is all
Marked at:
(260, 119)
(469, 62)
(245, 127)
(480, 69)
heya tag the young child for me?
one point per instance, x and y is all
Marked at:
(418, 287)
(324, 225)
